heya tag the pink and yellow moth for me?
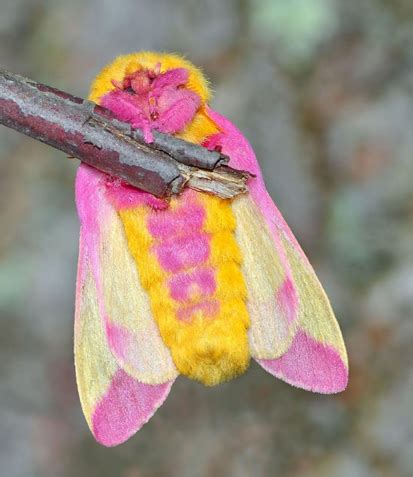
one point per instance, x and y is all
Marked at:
(196, 285)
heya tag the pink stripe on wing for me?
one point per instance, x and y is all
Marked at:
(310, 365)
(120, 341)
(93, 209)
(287, 300)
(125, 408)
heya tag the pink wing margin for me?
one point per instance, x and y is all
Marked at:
(115, 404)
(316, 359)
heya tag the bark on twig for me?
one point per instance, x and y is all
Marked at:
(90, 133)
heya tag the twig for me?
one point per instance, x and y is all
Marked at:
(90, 133)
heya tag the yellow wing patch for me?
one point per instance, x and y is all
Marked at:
(316, 317)
(95, 365)
(141, 351)
(270, 332)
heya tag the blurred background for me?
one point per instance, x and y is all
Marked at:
(323, 89)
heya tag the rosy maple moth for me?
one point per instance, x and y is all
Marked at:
(196, 285)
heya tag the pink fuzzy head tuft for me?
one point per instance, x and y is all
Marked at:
(149, 99)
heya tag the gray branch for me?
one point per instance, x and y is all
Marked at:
(91, 134)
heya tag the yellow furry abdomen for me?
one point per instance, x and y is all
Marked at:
(204, 323)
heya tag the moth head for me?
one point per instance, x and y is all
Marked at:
(156, 91)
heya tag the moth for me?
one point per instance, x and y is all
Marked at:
(193, 286)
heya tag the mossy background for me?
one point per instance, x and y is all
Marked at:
(324, 91)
